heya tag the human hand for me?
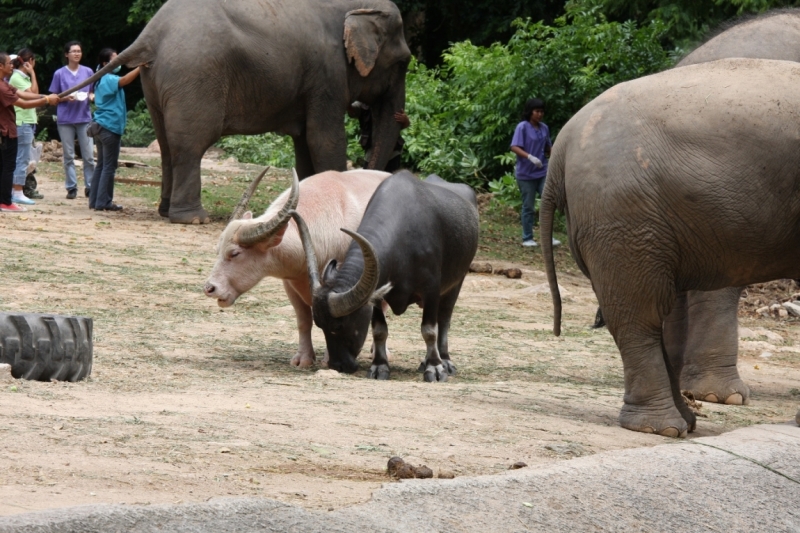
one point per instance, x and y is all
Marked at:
(535, 160)
(401, 118)
(69, 98)
(27, 67)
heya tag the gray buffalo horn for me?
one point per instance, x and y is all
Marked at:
(345, 303)
(308, 247)
(241, 207)
(255, 233)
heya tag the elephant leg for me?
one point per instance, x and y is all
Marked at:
(302, 157)
(380, 332)
(166, 163)
(187, 144)
(652, 399)
(326, 138)
(305, 357)
(712, 346)
(157, 117)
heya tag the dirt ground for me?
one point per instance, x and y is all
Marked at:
(187, 401)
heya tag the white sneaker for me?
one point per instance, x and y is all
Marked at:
(530, 242)
(21, 199)
(556, 242)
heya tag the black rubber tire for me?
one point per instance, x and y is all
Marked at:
(45, 347)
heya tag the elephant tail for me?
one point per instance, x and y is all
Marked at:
(137, 54)
(553, 197)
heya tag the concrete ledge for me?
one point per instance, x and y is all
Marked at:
(745, 480)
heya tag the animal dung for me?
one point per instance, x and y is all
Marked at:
(394, 463)
(511, 273)
(517, 465)
(398, 468)
(480, 268)
(446, 474)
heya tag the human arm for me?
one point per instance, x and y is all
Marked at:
(27, 68)
(42, 100)
(401, 118)
(129, 77)
(525, 155)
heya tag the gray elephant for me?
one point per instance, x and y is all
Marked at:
(774, 35)
(701, 333)
(216, 68)
(684, 180)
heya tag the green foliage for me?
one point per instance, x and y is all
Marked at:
(139, 129)
(143, 10)
(463, 115)
(266, 149)
(687, 20)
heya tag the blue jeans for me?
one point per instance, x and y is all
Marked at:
(24, 145)
(68, 132)
(529, 190)
(108, 145)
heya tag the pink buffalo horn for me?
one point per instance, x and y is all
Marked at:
(254, 233)
(241, 207)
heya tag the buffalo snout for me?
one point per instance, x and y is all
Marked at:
(210, 289)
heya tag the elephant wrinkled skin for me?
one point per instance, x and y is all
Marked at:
(216, 68)
(686, 180)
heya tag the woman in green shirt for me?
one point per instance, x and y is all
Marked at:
(24, 79)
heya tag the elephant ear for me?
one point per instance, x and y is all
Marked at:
(364, 35)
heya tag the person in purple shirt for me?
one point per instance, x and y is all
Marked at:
(74, 117)
(531, 143)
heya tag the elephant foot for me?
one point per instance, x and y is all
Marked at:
(714, 389)
(434, 374)
(303, 360)
(163, 207)
(199, 216)
(665, 422)
(380, 372)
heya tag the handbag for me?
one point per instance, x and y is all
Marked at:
(93, 130)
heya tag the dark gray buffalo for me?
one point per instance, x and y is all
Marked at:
(413, 246)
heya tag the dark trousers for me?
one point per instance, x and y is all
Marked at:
(8, 162)
(529, 189)
(102, 193)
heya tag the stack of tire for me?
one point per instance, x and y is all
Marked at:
(46, 347)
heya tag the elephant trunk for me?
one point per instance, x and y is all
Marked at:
(385, 129)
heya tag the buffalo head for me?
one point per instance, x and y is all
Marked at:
(342, 305)
(243, 245)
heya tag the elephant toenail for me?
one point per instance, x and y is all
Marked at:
(734, 399)
(670, 432)
(711, 398)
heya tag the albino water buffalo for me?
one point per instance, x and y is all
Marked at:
(251, 249)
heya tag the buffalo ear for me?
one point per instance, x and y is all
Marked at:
(329, 273)
(364, 35)
(247, 216)
(380, 293)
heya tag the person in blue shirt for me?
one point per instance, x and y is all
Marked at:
(531, 144)
(111, 115)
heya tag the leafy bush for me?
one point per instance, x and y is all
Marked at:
(139, 129)
(463, 115)
(265, 149)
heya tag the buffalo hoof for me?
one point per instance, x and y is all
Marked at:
(667, 423)
(380, 372)
(199, 216)
(435, 373)
(163, 207)
(449, 366)
(303, 360)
